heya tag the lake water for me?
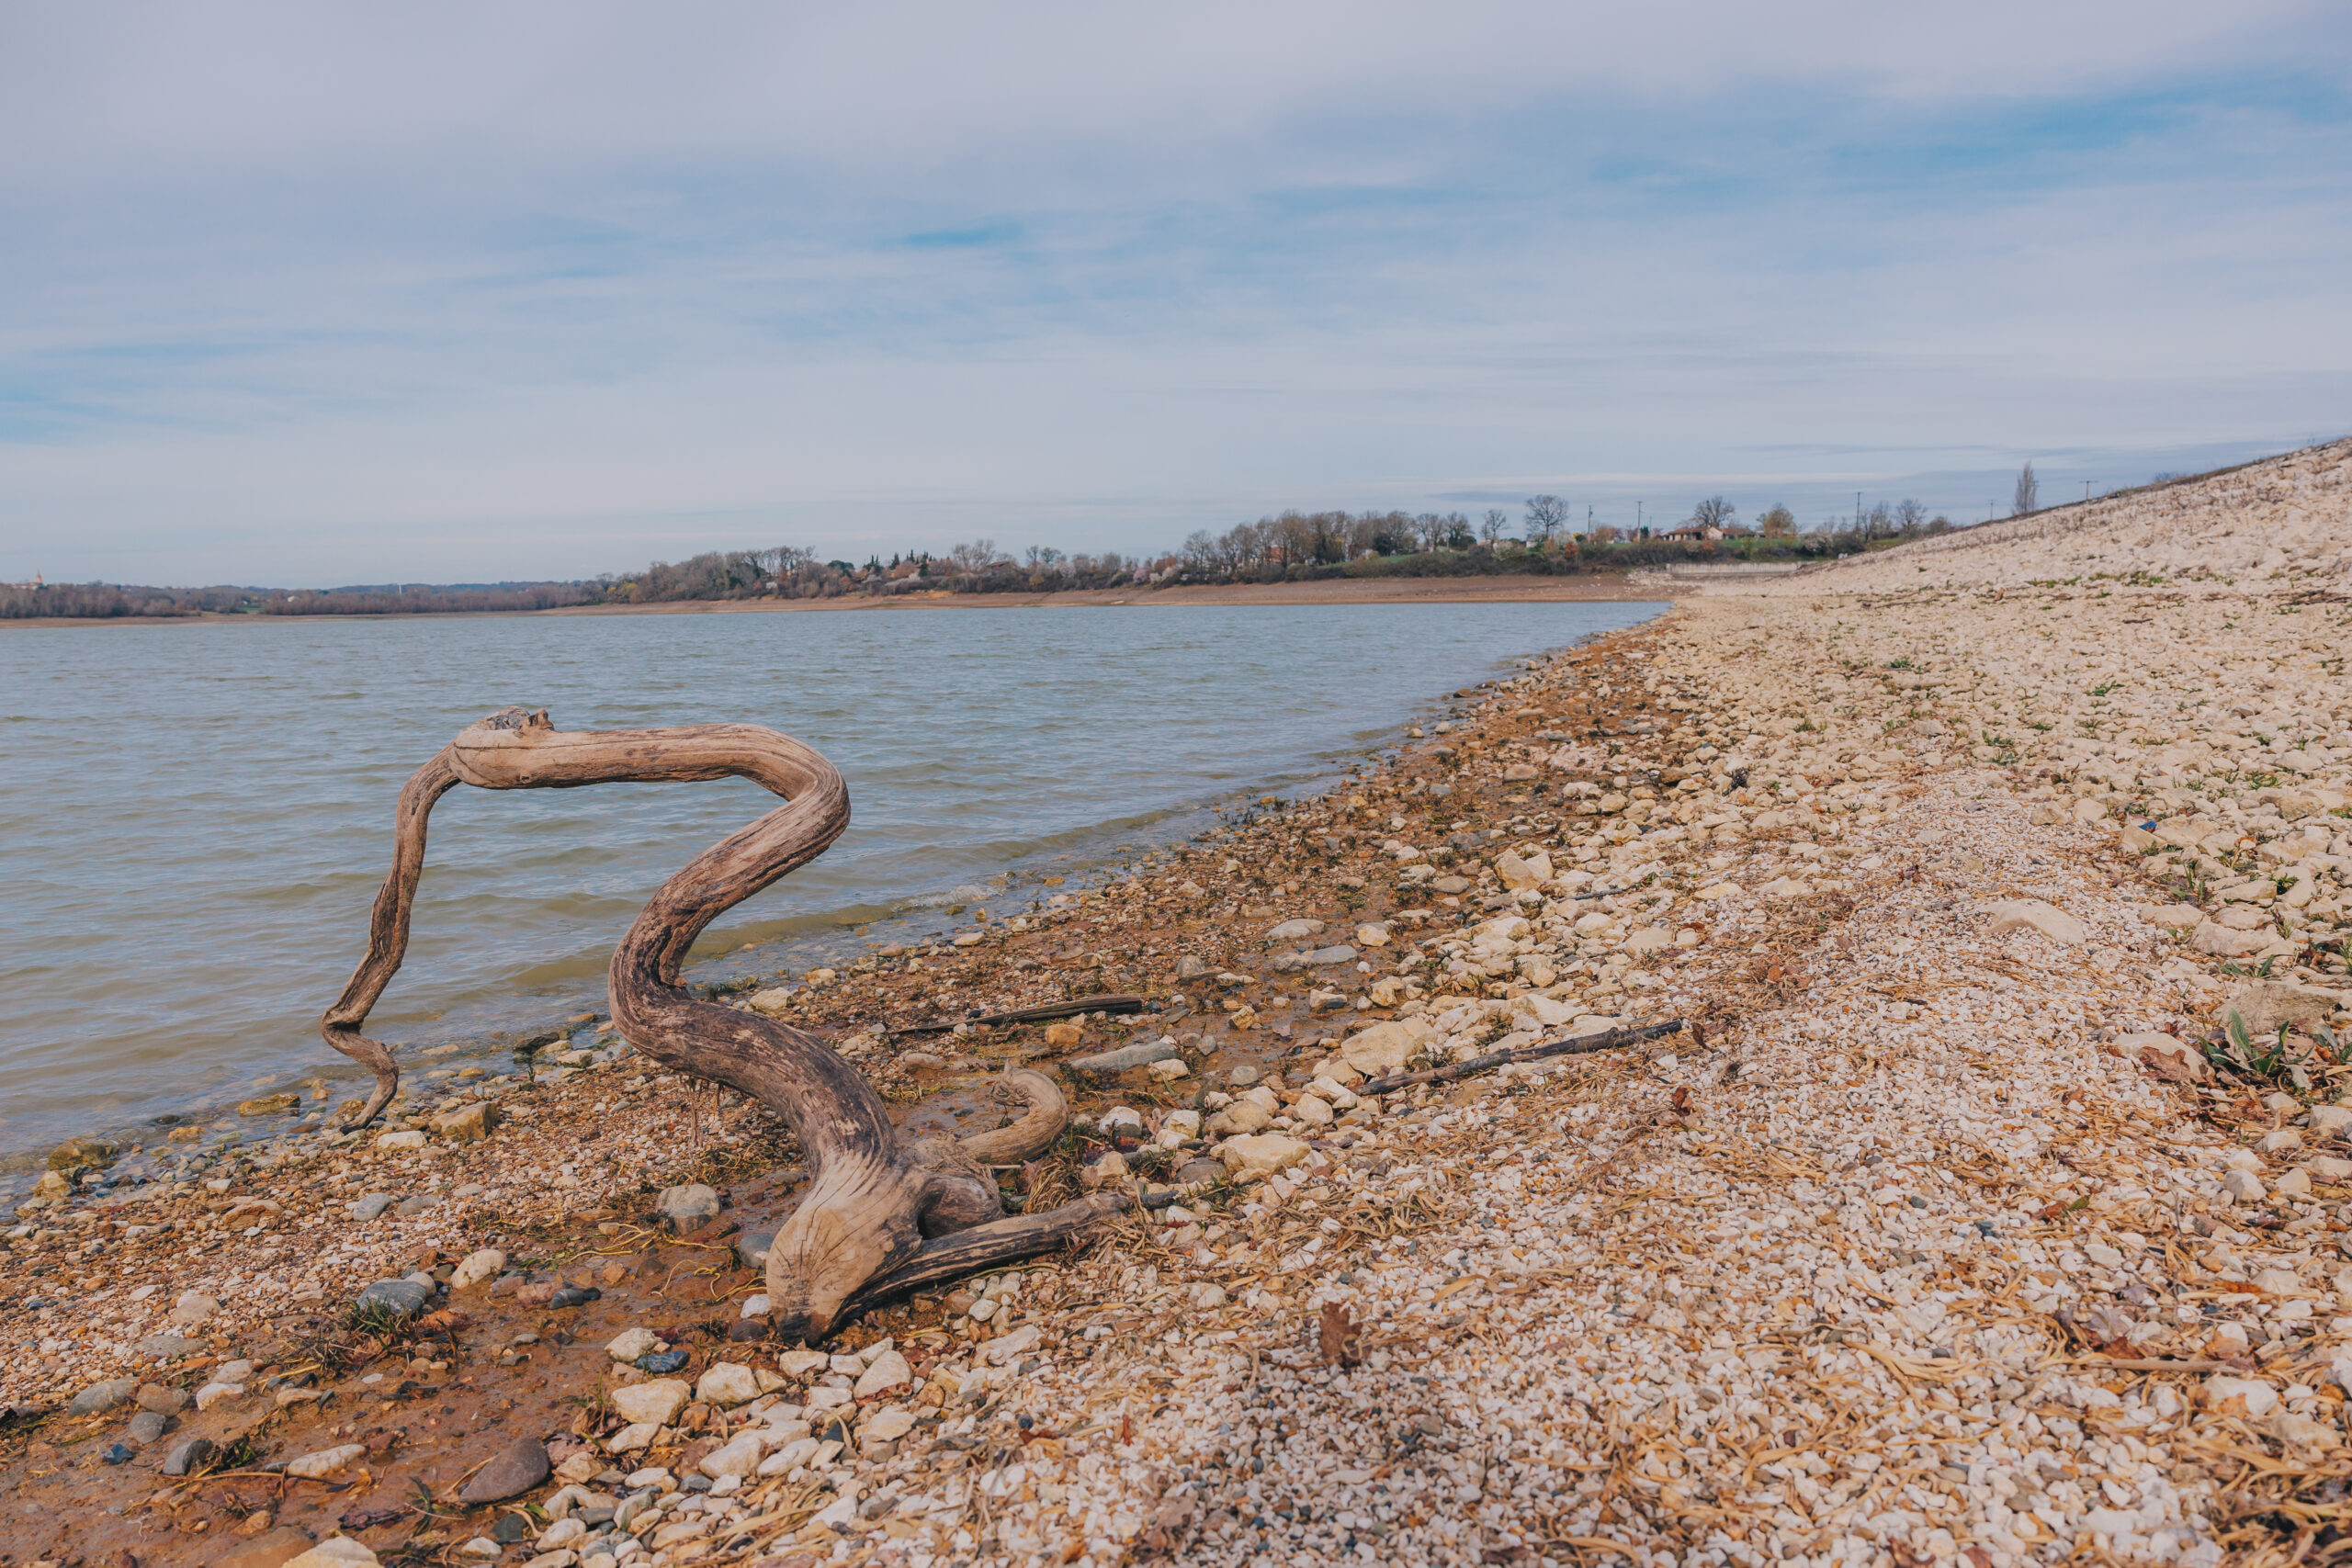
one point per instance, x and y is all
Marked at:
(195, 818)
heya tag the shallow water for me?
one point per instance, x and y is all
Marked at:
(193, 818)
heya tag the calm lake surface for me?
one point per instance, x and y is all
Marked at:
(195, 818)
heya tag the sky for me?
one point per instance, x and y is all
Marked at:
(309, 294)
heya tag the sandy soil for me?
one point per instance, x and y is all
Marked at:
(1994, 1211)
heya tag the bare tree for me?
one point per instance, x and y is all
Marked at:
(1491, 526)
(1546, 515)
(1713, 513)
(2028, 493)
(977, 556)
(1910, 516)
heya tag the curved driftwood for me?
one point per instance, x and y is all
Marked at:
(881, 1216)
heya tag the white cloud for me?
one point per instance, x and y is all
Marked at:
(308, 294)
(292, 85)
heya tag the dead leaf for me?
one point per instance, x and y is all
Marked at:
(1342, 1339)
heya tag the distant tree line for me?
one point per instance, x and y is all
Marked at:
(106, 601)
(1290, 547)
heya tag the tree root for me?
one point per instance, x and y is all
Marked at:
(882, 1217)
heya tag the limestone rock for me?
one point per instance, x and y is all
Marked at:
(2167, 1055)
(1110, 1171)
(2265, 1005)
(888, 1374)
(631, 1343)
(1240, 1117)
(1385, 1047)
(467, 1124)
(479, 1268)
(2019, 914)
(326, 1462)
(1519, 873)
(1312, 958)
(1125, 1057)
(655, 1402)
(1263, 1152)
(726, 1382)
(1013, 1345)
(2222, 942)
(687, 1206)
(2240, 1397)
(740, 1457)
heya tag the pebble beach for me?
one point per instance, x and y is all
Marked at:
(1989, 1206)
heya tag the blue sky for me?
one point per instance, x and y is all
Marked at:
(306, 294)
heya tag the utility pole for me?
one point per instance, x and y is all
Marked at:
(2087, 492)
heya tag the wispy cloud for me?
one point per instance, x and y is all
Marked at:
(307, 294)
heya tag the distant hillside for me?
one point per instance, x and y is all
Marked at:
(2283, 522)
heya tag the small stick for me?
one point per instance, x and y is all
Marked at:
(2153, 1364)
(1027, 1015)
(1566, 1045)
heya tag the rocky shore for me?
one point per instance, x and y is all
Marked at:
(1990, 1208)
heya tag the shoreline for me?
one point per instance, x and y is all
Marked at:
(1948, 1187)
(1593, 588)
(758, 946)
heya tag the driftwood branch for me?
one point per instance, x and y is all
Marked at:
(1566, 1045)
(1070, 1009)
(881, 1216)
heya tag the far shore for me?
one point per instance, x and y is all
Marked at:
(1597, 588)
